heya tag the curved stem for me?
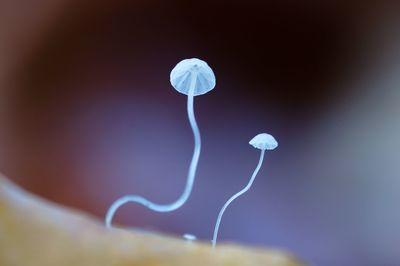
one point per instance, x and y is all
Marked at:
(191, 173)
(244, 190)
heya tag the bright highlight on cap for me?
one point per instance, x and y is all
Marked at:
(192, 70)
(264, 141)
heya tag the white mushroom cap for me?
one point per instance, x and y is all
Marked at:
(264, 141)
(189, 237)
(181, 76)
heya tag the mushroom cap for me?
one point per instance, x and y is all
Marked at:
(189, 237)
(264, 141)
(181, 76)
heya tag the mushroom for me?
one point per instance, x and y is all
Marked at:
(192, 74)
(189, 237)
(262, 142)
(191, 77)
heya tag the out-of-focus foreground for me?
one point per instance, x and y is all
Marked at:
(37, 233)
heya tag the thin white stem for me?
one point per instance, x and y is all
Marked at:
(190, 177)
(244, 190)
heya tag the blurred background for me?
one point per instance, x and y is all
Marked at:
(88, 115)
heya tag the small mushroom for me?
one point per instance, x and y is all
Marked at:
(191, 77)
(192, 74)
(262, 142)
(189, 237)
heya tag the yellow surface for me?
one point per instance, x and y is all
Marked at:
(35, 232)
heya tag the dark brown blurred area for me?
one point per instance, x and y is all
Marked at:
(88, 114)
(290, 54)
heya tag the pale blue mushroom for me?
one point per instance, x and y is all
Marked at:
(262, 142)
(191, 77)
(189, 237)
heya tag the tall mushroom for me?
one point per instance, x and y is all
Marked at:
(191, 77)
(262, 142)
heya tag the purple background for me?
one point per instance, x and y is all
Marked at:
(88, 115)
